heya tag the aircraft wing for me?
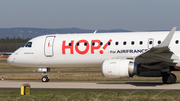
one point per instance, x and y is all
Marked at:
(162, 51)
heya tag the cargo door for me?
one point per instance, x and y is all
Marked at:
(48, 46)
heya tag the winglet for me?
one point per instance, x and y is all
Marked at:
(168, 38)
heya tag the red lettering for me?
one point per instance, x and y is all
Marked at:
(67, 47)
(95, 47)
(105, 46)
(84, 51)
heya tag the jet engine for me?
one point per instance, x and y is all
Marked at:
(119, 68)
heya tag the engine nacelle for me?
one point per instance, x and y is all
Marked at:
(118, 68)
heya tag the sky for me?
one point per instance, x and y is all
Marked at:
(133, 15)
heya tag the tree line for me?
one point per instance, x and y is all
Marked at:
(11, 44)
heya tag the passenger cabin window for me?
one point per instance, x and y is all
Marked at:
(77, 44)
(140, 42)
(117, 43)
(29, 44)
(132, 43)
(159, 42)
(101, 43)
(150, 42)
(93, 44)
(177, 41)
(109, 43)
(69, 44)
(124, 43)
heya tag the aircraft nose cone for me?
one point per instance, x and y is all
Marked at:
(10, 59)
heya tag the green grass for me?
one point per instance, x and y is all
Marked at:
(80, 76)
(70, 95)
(67, 95)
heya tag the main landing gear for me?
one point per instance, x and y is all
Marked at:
(169, 78)
(45, 71)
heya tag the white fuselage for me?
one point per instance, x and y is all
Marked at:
(87, 50)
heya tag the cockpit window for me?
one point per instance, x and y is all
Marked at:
(28, 44)
(24, 44)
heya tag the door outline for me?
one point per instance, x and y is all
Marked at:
(150, 43)
(48, 46)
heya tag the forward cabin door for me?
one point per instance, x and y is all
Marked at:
(48, 46)
(150, 43)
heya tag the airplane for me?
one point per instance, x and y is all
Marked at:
(120, 55)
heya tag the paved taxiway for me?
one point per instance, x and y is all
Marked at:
(100, 85)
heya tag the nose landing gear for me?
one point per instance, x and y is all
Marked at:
(45, 78)
(45, 71)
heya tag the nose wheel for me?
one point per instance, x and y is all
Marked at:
(45, 78)
(44, 71)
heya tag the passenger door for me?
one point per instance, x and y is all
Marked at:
(48, 46)
(150, 43)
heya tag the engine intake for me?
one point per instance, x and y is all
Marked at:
(119, 68)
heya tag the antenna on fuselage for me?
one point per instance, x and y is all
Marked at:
(95, 31)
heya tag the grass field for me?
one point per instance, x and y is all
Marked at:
(66, 95)
(80, 76)
(83, 95)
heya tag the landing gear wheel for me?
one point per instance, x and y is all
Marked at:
(169, 78)
(45, 79)
(174, 77)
